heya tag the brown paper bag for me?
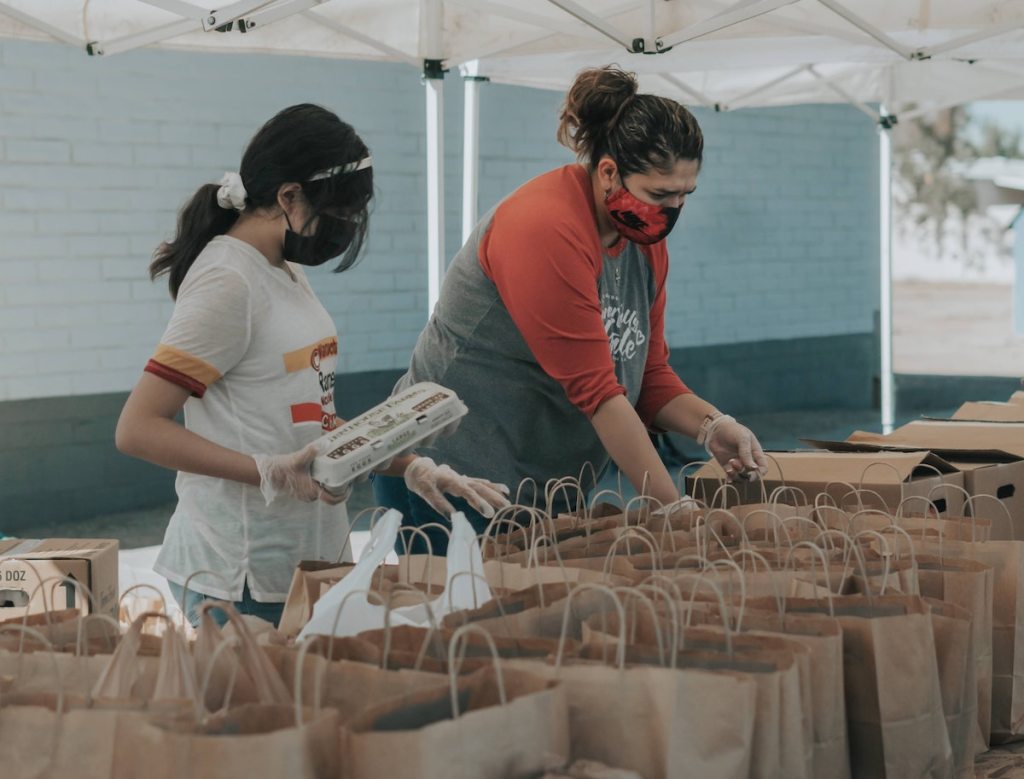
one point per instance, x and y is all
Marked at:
(658, 722)
(244, 742)
(954, 652)
(242, 673)
(893, 699)
(823, 638)
(782, 739)
(423, 736)
(1006, 558)
(346, 686)
(66, 630)
(967, 584)
(426, 649)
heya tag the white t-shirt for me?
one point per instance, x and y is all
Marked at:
(258, 351)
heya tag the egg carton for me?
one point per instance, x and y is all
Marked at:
(416, 416)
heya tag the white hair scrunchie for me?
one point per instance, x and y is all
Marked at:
(232, 192)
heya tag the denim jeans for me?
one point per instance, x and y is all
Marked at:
(271, 612)
(391, 492)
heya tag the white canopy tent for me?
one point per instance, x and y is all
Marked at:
(908, 55)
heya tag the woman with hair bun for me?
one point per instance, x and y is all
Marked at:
(249, 356)
(550, 323)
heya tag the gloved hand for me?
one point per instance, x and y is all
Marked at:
(291, 475)
(736, 449)
(431, 481)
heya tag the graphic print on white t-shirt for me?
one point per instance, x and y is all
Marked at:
(313, 357)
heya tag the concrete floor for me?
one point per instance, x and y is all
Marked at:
(955, 329)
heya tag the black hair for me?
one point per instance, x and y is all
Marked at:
(295, 145)
(604, 114)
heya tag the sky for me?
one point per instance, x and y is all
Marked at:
(1008, 113)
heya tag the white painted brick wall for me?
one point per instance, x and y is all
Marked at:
(97, 155)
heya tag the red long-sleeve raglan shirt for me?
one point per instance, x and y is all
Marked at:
(538, 325)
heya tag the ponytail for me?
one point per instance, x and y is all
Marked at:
(604, 114)
(304, 143)
(199, 222)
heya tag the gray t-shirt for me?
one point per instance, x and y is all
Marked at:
(536, 326)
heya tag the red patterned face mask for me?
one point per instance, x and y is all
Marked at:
(638, 221)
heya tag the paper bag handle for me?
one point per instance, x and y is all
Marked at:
(702, 580)
(55, 581)
(620, 654)
(453, 676)
(886, 553)
(533, 492)
(673, 607)
(778, 524)
(817, 550)
(696, 465)
(880, 464)
(776, 496)
(79, 639)
(641, 534)
(566, 486)
(229, 642)
(1006, 512)
(639, 595)
(850, 547)
(801, 521)
(25, 630)
(185, 590)
(754, 555)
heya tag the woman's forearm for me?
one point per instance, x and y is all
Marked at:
(626, 440)
(147, 429)
(165, 442)
(684, 414)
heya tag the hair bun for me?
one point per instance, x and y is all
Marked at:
(593, 105)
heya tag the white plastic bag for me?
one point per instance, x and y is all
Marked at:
(465, 587)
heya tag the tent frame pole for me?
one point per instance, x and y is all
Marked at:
(596, 22)
(722, 21)
(888, 389)
(966, 40)
(762, 88)
(373, 43)
(470, 148)
(208, 22)
(38, 24)
(679, 84)
(432, 20)
(865, 26)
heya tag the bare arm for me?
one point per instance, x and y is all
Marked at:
(147, 429)
(684, 414)
(626, 440)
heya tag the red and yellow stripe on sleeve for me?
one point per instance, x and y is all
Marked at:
(186, 370)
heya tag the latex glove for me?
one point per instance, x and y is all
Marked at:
(291, 475)
(431, 481)
(736, 449)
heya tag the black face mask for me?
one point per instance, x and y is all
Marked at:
(331, 239)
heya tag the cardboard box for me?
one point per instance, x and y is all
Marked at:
(990, 455)
(990, 411)
(24, 564)
(893, 475)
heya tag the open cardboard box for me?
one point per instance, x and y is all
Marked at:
(894, 476)
(24, 564)
(990, 411)
(990, 455)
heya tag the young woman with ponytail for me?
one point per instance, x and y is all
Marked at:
(550, 323)
(250, 356)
